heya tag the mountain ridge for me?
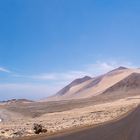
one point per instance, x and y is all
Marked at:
(87, 87)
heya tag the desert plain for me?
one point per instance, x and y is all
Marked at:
(114, 96)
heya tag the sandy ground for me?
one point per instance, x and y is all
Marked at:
(126, 128)
(16, 125)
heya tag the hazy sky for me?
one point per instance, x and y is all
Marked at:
(45, 44)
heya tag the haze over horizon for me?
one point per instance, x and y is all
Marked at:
(44, 45)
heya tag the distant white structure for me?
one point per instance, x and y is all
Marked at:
(0, 120)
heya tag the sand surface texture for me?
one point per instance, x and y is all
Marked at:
(15, 124)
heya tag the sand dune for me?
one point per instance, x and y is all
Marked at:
(89, 87)
(128, 84)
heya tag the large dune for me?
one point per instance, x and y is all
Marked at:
(130, 84)
(88, 87)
